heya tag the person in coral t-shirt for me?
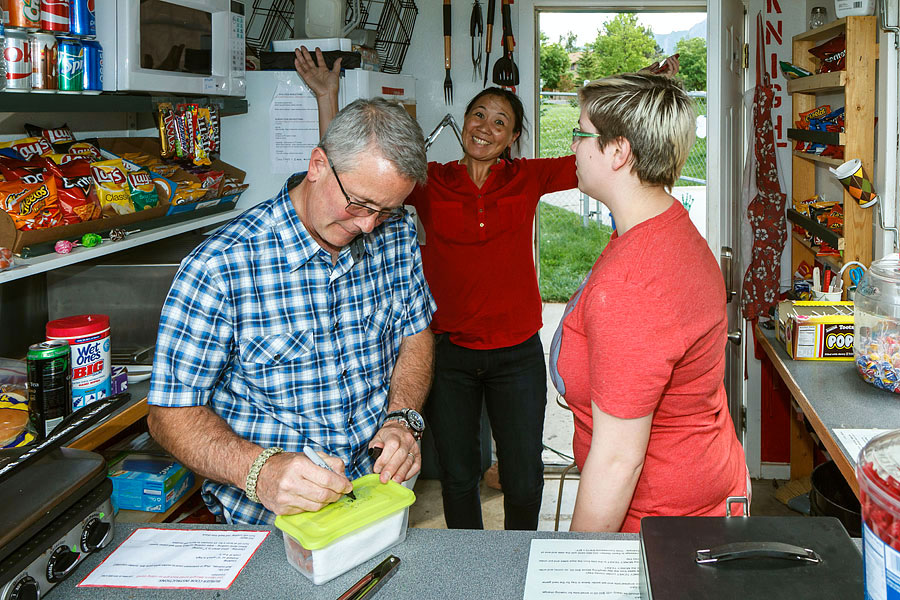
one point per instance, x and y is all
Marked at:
(640, 353)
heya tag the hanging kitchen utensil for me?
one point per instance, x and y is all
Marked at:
(448, 83)
(476, 31)
(490, 32)
(506, 73)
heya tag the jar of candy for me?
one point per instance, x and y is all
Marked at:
(876, 328)
(878, 474)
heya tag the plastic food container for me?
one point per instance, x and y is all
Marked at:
(878, 473)
(331, 541)
(876, 324)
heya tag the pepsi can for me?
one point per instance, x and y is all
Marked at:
(71, 65)
(93, 67)
(17, 57)
(81, 18)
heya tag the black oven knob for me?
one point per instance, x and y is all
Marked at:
(94, 535)
(62, 562)
(25, 589)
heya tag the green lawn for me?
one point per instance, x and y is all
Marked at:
(568, 251)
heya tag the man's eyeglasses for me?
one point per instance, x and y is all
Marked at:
(358, 209)
(577, 133)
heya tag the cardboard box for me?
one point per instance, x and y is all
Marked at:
(148, 482)
(17, 240)
(816, 330)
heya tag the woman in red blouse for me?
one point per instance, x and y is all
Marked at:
(478, 216)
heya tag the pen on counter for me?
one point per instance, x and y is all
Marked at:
(317, 460)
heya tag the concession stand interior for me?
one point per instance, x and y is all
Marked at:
(132, 129)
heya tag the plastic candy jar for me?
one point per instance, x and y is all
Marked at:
(876, 329)
(878, 473)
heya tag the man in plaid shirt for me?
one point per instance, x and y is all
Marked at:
(303, 322)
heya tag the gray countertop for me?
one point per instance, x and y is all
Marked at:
(436, 563)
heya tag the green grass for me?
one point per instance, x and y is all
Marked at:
(568, 251)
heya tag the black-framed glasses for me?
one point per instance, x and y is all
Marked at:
(357, 209)
(577, 134)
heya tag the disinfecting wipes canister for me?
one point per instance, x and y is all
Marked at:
(88, 337)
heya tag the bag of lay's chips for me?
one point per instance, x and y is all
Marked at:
(29, 147)
(143, 190)
(31, 205)
(59, 137)
(86, 149)
(112, 187)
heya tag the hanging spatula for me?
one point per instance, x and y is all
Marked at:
(506, 73)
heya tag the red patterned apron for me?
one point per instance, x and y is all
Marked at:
(766, 211)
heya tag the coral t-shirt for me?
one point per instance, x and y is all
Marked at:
(646, 336)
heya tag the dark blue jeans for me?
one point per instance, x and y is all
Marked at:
(512, 382)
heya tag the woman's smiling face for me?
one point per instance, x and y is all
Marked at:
(488, 129)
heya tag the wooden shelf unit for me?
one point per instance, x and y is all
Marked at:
(857, 82)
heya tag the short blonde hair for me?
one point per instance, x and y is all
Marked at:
(652, 112)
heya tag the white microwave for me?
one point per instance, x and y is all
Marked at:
(172, 46)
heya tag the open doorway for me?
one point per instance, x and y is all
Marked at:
(570, 51)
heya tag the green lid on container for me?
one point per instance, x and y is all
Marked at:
(374, 501)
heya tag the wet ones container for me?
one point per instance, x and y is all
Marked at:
(333, 540)
(88, 337)
(878, 473)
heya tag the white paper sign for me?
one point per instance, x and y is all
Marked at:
(853, 440)
(177, 559)
(565, 568)
(293, 126)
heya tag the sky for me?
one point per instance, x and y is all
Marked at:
(585, 25)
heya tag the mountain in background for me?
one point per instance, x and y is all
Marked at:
(667, 41)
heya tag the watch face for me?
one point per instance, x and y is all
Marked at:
(415, 420)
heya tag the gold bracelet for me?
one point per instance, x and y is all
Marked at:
(255, 468)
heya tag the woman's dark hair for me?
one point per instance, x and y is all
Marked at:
(517, 108)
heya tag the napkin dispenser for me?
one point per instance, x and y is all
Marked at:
(752, 558)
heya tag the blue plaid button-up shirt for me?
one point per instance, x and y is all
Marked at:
(287, 348)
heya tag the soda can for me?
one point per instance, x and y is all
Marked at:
(93, 67)
(55, 16)
(44, 77)
(17, 58)
(21, 14)
(70, 55)
(81, 18)
(49, 384)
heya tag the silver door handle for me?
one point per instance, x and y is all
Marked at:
(735, 337)
(727, 261)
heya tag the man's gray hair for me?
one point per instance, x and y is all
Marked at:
(380, 126)
(652, 112)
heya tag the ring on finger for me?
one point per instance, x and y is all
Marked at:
(411, 455)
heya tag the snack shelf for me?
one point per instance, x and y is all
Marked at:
(815, 228)
(858, 139)
(825, 160)
(818, 84)
(829, 261)
(818, 137)
(25, 267)
(136, 103)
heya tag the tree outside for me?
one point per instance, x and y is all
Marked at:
(554, 64)
(692, 63)
(624, 46)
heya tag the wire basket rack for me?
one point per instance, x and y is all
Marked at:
(269, 20)
(393, 22)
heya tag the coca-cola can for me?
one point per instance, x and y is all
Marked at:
(17, 56)
(22, 14)
(44, 77)
(55, 16)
